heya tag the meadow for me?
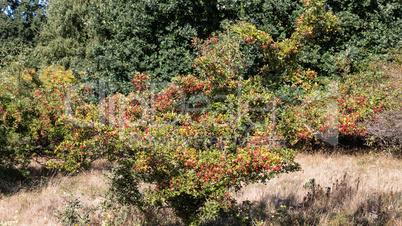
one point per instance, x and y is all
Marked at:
(365, 190)
(199, 112)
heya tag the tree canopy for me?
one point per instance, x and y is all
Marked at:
(21, 23)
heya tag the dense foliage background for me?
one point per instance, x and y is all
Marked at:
(117, 39)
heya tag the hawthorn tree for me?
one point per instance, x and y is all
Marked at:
(202, 137)
(238, 119)
(31, 104)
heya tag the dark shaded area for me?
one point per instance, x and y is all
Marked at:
(13, 179)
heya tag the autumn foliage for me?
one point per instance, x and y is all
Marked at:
(200, 138)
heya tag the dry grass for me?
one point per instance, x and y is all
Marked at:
(368, 178)
(278, 202)
(39, 205)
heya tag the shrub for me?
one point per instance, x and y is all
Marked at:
(202, 137)
(30, 107)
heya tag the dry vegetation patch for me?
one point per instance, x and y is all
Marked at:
(40, 204)
(331, 190)
(386, 130)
